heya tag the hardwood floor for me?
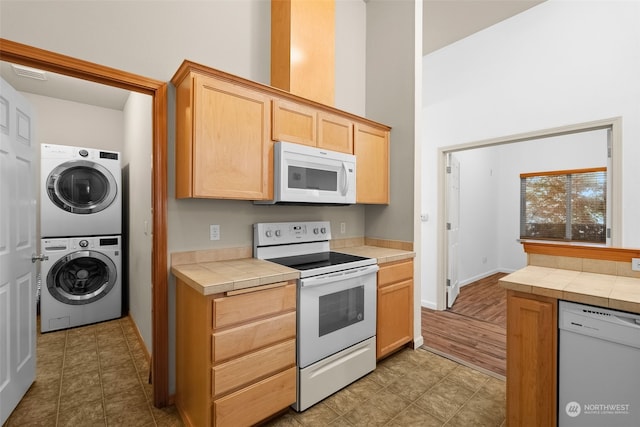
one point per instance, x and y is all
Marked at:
(473, 331)
(484, 300)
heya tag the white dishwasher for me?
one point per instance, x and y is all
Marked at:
(598, 367)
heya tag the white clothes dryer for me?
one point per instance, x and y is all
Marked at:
(81, 281)
(80, 192)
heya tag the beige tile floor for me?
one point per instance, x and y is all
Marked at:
(93, 375)
(97, 375)
(411, 388)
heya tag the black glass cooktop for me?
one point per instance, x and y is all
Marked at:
(316, 260)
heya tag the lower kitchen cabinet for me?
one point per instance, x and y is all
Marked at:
(532, 348)
(235, 354)
(395, 307)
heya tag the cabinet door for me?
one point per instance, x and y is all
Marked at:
(294, 123)
(335, 133)
(371, 147)
(232, 153)
(395, 317)
(531, 360)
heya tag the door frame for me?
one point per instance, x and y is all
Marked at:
(50, 61)
(614, 123)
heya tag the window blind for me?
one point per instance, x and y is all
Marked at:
(564, 205)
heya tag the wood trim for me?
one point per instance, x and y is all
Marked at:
(577, 251)
(562, 172)
(50, 61)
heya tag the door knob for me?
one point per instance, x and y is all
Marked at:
(41, 257)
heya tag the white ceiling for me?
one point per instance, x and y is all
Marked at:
(67, 88)
(444, 22)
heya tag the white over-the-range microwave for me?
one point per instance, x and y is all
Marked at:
(304, 174)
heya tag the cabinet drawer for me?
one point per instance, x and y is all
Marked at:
(253, 336)
(395, 272)
(237, 309)
(240, 372)
(256, 402)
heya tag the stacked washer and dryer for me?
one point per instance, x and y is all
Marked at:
(81, 229)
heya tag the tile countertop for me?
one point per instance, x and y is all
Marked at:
(602, 290)
(215, 277)
(382, 255)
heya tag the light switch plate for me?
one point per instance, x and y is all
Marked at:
(635, 264)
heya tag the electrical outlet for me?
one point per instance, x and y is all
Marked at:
(343, 227)
(635, 264)
(214, 232)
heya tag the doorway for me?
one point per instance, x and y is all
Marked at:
(484, 220)
(48, 61)
(489, 207)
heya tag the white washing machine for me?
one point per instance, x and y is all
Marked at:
(81, 281)
(80, 191)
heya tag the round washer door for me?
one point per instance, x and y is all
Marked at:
(81, 187)
(81, 277)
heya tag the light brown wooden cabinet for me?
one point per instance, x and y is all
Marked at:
(302, 124)
(235, 354)
(532, 348)
(226, 127)
(394, 326)
(371, 147)
(223, 149)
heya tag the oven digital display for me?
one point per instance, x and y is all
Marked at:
(297, 230)
(340, 310)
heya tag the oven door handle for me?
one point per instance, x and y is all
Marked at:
(340, 275)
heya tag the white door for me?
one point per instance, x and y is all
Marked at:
(453, 228)
(17, 244)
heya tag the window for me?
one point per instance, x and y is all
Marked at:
(564, 205)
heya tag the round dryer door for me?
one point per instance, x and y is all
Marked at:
(81, 187)
(81, 277)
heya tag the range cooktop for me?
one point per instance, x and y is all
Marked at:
(317, 260)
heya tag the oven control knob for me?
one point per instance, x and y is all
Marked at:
(268, 233)
(323, 230)
(278, 233)
(316, 231)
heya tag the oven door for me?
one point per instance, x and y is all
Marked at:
(335, 311)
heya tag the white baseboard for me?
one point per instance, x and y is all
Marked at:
(485, 274)
(418, 342)
(428, 304)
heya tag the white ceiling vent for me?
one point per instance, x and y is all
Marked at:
(29, 72)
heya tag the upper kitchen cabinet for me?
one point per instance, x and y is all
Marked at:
(302, 124)
(223, 149)
(226, 127)
(371, 147)
(335, 133)
(293, 122)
